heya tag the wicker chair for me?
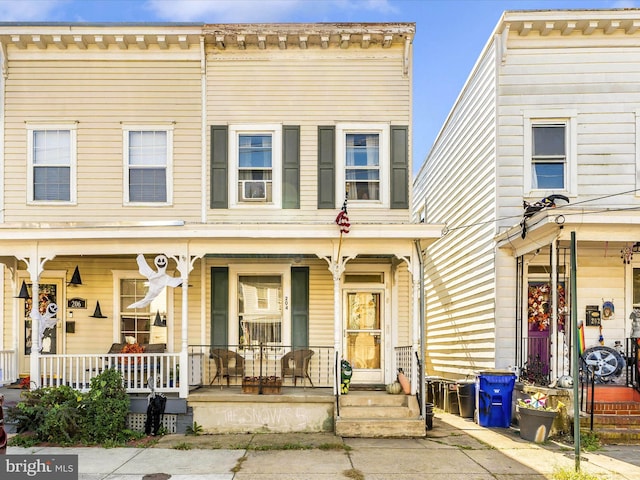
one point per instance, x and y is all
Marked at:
(295, 364)
(228, 364)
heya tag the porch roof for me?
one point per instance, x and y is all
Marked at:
(20, 240)
(590, 225)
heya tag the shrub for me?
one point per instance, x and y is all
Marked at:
(63, 415)
(52, 414)
(107, 406)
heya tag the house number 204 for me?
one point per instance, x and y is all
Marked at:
(286, 303)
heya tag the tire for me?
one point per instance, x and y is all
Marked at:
(606, 362)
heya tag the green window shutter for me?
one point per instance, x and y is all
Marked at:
(326, 167)
(399, 175)
(290, 166)
(219, 306)
(219, 166)
(300, 307)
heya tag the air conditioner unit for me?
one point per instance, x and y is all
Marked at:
(254, 190)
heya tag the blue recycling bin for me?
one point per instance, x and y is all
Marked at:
(493, 398)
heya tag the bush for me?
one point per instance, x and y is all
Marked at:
(52, 414)
(63, 415)
(107, 406)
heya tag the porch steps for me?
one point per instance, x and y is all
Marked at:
(373, 414)
(616, 418)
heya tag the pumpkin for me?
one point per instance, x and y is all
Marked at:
(394, 388)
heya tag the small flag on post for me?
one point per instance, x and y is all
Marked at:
(343, 219)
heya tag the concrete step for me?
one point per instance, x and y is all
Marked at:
(379, 415)
(376, 412)
(374, 399)
(380, 428)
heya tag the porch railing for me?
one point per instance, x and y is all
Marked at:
(8, 367)
(632, 354)
(77, 370)
(536, 368)
(266, 360)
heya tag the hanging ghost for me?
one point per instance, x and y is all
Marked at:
(45, 321)
(158, 280)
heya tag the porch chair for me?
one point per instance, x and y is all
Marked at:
(228, 364)
(296, 365)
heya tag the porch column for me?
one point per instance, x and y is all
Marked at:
(416, 275)
(185, 265)
(35, 265)
(337, 267)
(554, 335)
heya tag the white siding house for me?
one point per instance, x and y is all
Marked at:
(551, 107)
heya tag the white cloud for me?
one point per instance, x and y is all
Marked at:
(30, 10)
(259, 11)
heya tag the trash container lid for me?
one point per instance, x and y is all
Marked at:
(496, 372)
(465, 382)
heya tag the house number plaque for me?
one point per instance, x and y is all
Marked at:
(77, 303)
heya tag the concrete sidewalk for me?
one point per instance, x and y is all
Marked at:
(456, 448)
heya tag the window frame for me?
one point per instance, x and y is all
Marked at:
(126, 130)
(567, 118)
(120, 310)
(235, 131)
(72, 128)
(240, 270)
(383, 130)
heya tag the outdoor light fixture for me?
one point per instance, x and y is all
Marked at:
(75, 278)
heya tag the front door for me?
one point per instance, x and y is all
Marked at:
(49, 292)
(363, 339)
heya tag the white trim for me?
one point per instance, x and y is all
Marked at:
(72, 128)
(275, 130)
(236, 270)
(126, 129)
(383, 129)
(637, 150)
(568, 117)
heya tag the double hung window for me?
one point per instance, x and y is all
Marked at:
(364, 151)
(148, 159)
(52, 163)
(256, 155)
(550, 152)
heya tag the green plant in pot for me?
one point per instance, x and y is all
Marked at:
(535, 417)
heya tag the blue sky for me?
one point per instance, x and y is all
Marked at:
(450, 34)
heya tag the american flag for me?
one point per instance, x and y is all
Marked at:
(343, 219)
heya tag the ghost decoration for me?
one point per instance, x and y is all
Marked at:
(158, 280)
(45, 321)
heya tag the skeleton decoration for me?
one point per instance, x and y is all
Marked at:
(158, 280)
(45, 321)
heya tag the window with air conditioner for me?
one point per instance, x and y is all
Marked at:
(256, 153)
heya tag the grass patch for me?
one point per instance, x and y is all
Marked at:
(284, 446)
(182, 446)
(568, 474)
(354, 474)
(238, 465)
(590, 442)
(334, 446)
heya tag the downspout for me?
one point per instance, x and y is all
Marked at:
(3, 63)
(203, 132)
(421, 380)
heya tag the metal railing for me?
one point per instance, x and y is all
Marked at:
(227, 365)
(632, 355)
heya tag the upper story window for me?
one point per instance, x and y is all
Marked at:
(255, 153)
(51, 156)
(550, 155)
(363, 150)
(148, 160)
